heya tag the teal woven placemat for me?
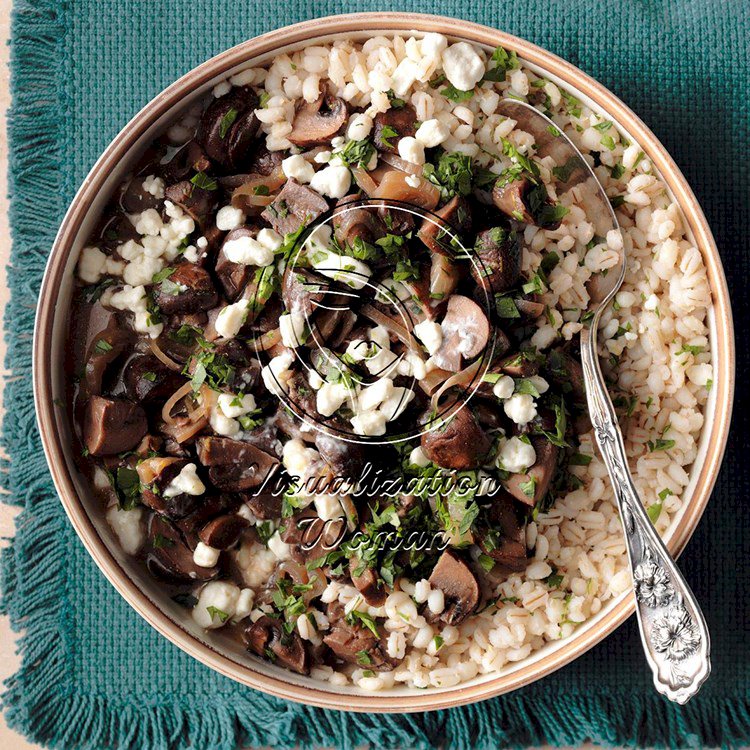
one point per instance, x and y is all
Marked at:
(94, 675)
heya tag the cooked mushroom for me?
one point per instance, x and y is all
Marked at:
(317, 122)
(223, 532)
(526, 200)
(105, 348)
(134, 198)
(368, 583)
(398, 186)
(454, 218)
(310, 537)
(466, 332)
(353, 222)
(156, 474)
(112, 426)
(566, 372)
(294, 206)
(532, 486)
(233, 276)
(504, 539)
(344, 458)
(267, 637)
(193, 199)
(529, 309)
(229, 125)
(264, 505)
(521, 365)
(170, 558)
(185, 163)
(188, 289)
(302, 290)
(355, 644)
(147, 378)
(393, 125)
(459, 586)
(498, 264)
(458, 442)
(233, 465)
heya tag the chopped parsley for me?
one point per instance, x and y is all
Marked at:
(357, 153)
(216, 612)
(227, 121)
(355, 617)
(102, 346)
(503, 62)
(203, 181)
(456, 95)
(386, 134)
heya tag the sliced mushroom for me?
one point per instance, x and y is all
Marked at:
(393, 125)
(294, 206)
(112, 426)
(223, 532)
(185, 163)
(504, 540)
(453, 218)
(233, 276)
(318, 122)
(353, 222)
(234, 466)
(264, 505)
(498, 264)
(566, 372)
(532, 486)
(529, 309)
(344, 458)
(310, 537)
(170, 559)
(134, 198)
(526, 201)
(228, 127)
(459, 586)
(368, 583)
(146, 378)
(521, 365)
(355, 644)
(466, 332)
(188, 290)
(156, 474)
(196, 201)
(302, 290)
(105, 348)
(458, 442)
(268, 638)
(394, 186)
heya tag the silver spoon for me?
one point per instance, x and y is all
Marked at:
(673, 631)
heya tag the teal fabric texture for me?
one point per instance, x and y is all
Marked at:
(94, 674)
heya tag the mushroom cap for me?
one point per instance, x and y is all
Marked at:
(466, 332)
(459, 586)
(314, 125)
(458, 443)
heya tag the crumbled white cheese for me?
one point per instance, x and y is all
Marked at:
(462, 65)
(539, 383)
(297, 457)
(93, 264)
(359, 127)
(128, 527)
(432, 45)
(516, 455)
(248, 251)
(221, 424)
(411, 150)
(333, 181)
(235, 405)
(504, 387)
(393, 407)
(276, 373)
(134, 299)
(293, 327)
(418, 457)
(244, 604)
(216, 604)
(357, 350)
(520, 408)
(148, 222)
(221, 89)
(231, 318)
(154, 185)
(412, 366)
(205, 556)
(432, 133)
(369, 423)
(430, 334)
(229, 218)
(373, 395)
(406, 73)
(330, 398)
(298, 168)
(322, 157)
(351, 271)
(187, 482)
(328, 507)
(279, 547)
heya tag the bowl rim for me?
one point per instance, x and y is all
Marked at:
(55, 450)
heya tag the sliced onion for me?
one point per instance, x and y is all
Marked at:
(162, 357)
(380, 318)
(432, 381)
(171, 402)
(245, 196)
(464, 377)
(444, 277)
(394, 186)
(402, 164)
(183, 431)
(150, 468)
(258, 200)
(267, 341)
(365, 182)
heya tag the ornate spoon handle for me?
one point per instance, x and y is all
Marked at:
(673, 630)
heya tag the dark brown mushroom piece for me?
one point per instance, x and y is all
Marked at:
(521, 365)
(344, 458)
(207, 508)
(350, 643)
(316, 123)
(188, 289)
(228, 127)
(528, 308)
(393, 125)
(368, 583)
(532, 486)
(263, 505)
(566, 372)
(527, 201)
(112, 426)
(262, 161)
(197, 201)
(169, 558)
(223, 532)
(105, 349)
(498, 260)
(310, 537)
(268, 638)
(185, 163)
(504, 538)
(458, 442)
(149, 445)
(353, 222)
(396, 221)
(234, 466)
(459, 586)
(466, 332)
(294, 206)
(156, 474)
(302, 290)
(233, 277)
(452, 218)
(146, 378)
(134, 198)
